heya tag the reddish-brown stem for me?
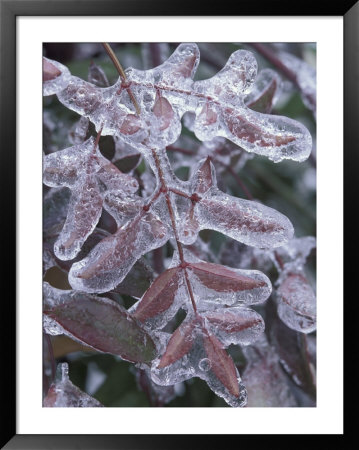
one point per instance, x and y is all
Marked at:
(180, 193)
(165, 190)
(122, 74)
(279, 260)
(179, 150)
(267, 52)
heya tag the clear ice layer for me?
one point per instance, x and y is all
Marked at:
(56, 77)
(90, 176)
(64, 394)
(193, 352)
(165, 93)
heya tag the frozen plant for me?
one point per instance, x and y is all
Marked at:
(154, 210)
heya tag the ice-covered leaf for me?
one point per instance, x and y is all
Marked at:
(306, 78)
(78, 132)
(222, 279)
(97, 76)
(243, 220)
(166, 92)
(56, 77)
(64, 394)
(99, 323)
(111, 260)
(90, 176)
(162, 109)
(192, 352)
(297, 303)
(264, 92)
(50, 71)
(292, 352)
(160, 296)
(265, 381)
(204, 177)
(235, 325)
(221, 364)
(179, 344)
(83, 214)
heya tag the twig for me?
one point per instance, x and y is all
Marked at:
(122, 74)
(267, 52)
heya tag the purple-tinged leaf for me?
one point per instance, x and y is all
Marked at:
(49, 70)
(204, 177)
(297, 303)
(160, 296)
(222, 364)
(99, 323)
(179, 344)
(222, 279)
(264, 91)
(243, 220)
(236, 325)
(111, 260)
(162, 109)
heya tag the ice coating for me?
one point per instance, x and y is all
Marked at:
(235, 325)
(56, 77)
(218, 285)
(166, 92)
(264, 379)
(99, 323)
(111, 260)
(294, 254)
(241, 256)
(265, 91)
(89, 175)
(97, 76)
(205, 358)
(78, 132)
(306, 78)
(296, 303)
(63, 393)
(243, 220)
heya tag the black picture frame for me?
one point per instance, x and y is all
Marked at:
(9, 11)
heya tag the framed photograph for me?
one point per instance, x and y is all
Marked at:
(167, 235)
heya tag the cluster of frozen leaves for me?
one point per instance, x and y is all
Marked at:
(215, 298)
(165, 93)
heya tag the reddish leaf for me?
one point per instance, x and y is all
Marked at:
(254, 133)
(233, 323)
(297, 303)
(49, 71)
(83, 214)
(160, 296)
(291, 349)
(103, 325)
(221, 364)
(207, 116)
(246, 221)
(179, 345)
(222, 279)
(162, 109)
(183, 62)
(264, 102)
(111, 260)
(204, 178)
(130, 125)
